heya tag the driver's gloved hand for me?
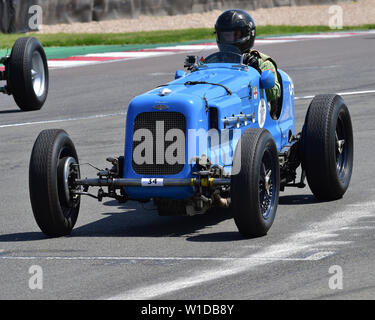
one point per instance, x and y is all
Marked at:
(252, 61)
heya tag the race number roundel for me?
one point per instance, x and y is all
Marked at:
(262, 113)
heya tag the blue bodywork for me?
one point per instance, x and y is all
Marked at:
(196, 102)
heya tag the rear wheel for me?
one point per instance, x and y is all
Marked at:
(28, 76)
(255, 183)
(327, 147)
(53, 168)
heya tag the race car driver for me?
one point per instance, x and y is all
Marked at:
(237, 28)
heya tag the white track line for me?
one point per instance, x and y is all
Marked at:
(359, 228)
(312, 257)
(353, 93)
(97, 116)
(296, 244)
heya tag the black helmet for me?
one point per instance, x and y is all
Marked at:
(236, 28)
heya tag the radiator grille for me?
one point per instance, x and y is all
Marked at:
(149, 121)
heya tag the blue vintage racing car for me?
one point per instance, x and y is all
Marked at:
(207, 139)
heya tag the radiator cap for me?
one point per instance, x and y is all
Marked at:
(165, 92)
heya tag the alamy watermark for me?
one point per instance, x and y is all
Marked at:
(174, 147)
(36, 18)
(336, 20)
(336, 281)
(36, 280)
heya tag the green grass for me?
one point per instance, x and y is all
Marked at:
(154, 37)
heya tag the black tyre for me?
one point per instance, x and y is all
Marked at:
(327, 147)
(255, 183)
(52, 169)
(27, 73)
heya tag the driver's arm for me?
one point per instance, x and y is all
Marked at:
(275, 92)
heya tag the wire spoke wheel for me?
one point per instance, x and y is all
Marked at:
(266, 185)
(255, 188)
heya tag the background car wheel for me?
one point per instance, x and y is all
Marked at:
(52, 169)
(28, 76)
(255, 188)
(327, 147)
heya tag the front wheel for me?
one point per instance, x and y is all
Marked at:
(27, 72)
(53, 168)
(255, 183)
(327, 147)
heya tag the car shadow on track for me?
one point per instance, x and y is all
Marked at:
(137, 220)
(133, 220)
(218, 237)
(22, 236)
(10, 111)
(298, 199)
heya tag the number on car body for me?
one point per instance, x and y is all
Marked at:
(152, 182)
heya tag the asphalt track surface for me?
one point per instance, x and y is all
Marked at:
(129, 252)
